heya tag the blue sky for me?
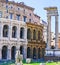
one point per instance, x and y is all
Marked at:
(39, 8)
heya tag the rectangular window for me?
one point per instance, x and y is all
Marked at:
(18, 17)
(6, 6)
(29, 20)
(11, 15)
(24, 18)
(0, 14)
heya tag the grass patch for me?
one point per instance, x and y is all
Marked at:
(35, 63)
(32, 64)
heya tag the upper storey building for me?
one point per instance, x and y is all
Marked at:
(13, 28)
(17, 11)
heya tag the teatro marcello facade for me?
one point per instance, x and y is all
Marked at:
(16, 21)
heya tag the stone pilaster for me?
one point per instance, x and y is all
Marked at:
(31, 52)
(0, 54)
(37, 53)
(25, 34)
(18, 47)
(1, 30)
(10, 31)
(9, 53)
(25, 52)
(18, 32)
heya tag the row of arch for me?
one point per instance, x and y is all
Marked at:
(14, 32)
(4, 52)
(35, 55)
(30, 34)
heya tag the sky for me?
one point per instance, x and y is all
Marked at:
(39, 6)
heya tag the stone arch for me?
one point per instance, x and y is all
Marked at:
(4, 52)
(21, 49)
(28, 52)
(13, 52)
(38, 35)
(5, 30)
(43, 52)
(34, 53)
(34, 34)
(22, 33)
(52, 47)
(28, 33)
(14, 32)
(39, 53)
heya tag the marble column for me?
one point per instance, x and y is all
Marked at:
(49, 32)
(56, 31)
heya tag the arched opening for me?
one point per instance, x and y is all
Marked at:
(34, 53)
(5, 30)
(43, 52)
(13, 51)
(34, 34)
(21, 50)
(38, 35)
(14, 32)
(28, 34)
(22, 33)
(39, 53)
(52, 47)
(4, 52)
(28, 52)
